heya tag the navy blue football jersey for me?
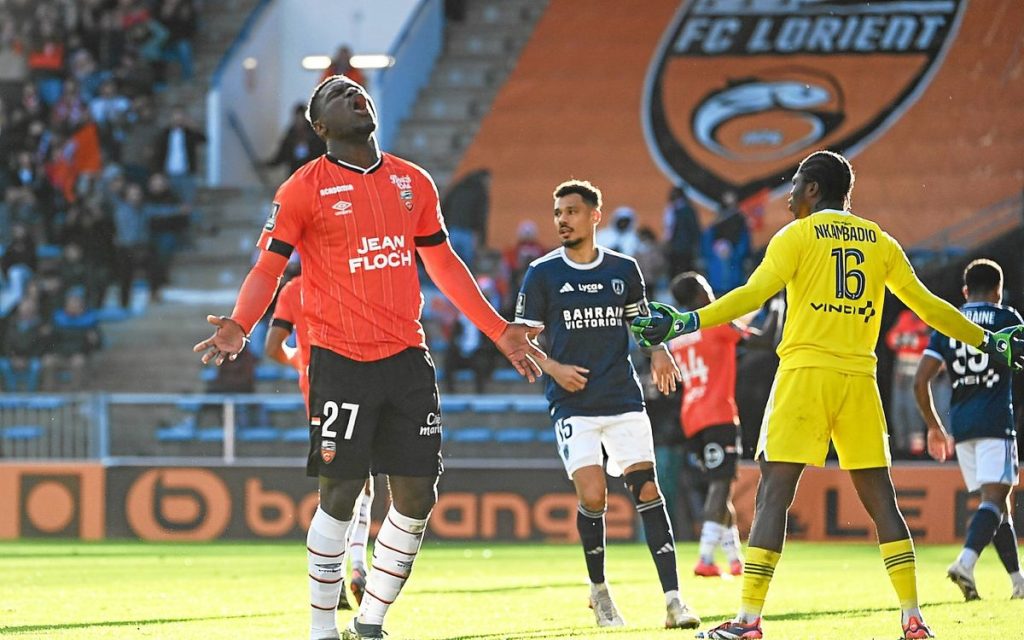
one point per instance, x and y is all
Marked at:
(586, 309)
(982, 405)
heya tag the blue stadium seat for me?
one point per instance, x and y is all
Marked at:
(298, 434)
(208, 374)
(489, 404)
(258, 434)
(191, 406)
(546, 435)
(471, 434)
(184, 431)
(45, 402)
(530, 404)
(210, 434)
(23, 432)
(450, 404)
(48, 251)
(506, 375)
(515, 434)
(285, 404)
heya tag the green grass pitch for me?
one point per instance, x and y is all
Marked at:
(73, 591)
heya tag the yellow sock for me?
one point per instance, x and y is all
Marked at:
(757, 575)
(899, 561)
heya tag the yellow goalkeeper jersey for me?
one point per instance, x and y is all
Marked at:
(835, 267)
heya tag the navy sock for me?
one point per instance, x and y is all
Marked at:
(590, 524)
(1005, 542)
(658, 532)
(983, 526)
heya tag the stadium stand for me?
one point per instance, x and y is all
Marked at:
(570, 108)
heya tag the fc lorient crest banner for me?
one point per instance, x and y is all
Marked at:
(739, 91)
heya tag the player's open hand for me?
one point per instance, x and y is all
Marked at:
(569, 376)
(664, 323)
(225, 343)
(664, 371)
(940, 445)
(1006, 346)
(518, 344)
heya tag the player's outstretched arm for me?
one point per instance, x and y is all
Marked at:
(665, 322)
(1006, 345)
(256, 294)
(452, 277)
(940, 445)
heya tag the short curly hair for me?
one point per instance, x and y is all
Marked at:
(590, 194)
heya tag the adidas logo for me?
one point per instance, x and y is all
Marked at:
(596, 551)
(566, 288)
(667, 548)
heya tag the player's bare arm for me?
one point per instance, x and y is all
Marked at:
(515, 341)
(277, 350)
(940, 444)
(664, 370)
(570, 377)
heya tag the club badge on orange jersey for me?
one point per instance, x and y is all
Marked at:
(406, 196)
(738, 92)
(404, 186)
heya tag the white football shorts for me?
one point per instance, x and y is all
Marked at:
(988, 461)
(626, 437)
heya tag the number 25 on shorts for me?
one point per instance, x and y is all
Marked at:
(332, 411)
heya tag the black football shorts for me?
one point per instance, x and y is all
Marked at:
(373, 417)
(718, 449)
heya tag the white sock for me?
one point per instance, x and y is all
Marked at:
(731, 543)
(325, 553)
(1017, 578)
(916, 612)
(394, 551)
(710, 534)
(671, 595)
(968, 558)
(359, 532)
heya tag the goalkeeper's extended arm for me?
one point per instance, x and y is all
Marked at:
(1006, 345)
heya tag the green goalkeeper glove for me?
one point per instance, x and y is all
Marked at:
(664, 323)
(1006, 346)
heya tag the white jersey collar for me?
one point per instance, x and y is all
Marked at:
(586, 266)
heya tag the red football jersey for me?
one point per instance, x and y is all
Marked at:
(707, 360)
(288, 315)
(357, 230)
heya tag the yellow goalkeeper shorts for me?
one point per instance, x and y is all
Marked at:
(809, 407)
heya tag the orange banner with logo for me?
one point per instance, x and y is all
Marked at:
(90, 502)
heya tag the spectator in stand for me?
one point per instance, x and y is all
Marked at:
(131, 241)
(13, 64)
(88, 76)
(72, 272)
(87, 226)
(76, 334)
(725, 246)
(168, 219)
(682, 231)
(21, 355)
(650, 257)
(69, 111)
(466, 207)
(141, 139)
(110, 110)
(620, 234)
(341, 65)
(526, 249)
(46, 61)
(907, 339)
(134, 75)
(468, 348)
(21, 250)
(298, 145)
(180, 19)
(176, 154)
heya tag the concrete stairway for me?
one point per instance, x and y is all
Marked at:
(479, 53)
